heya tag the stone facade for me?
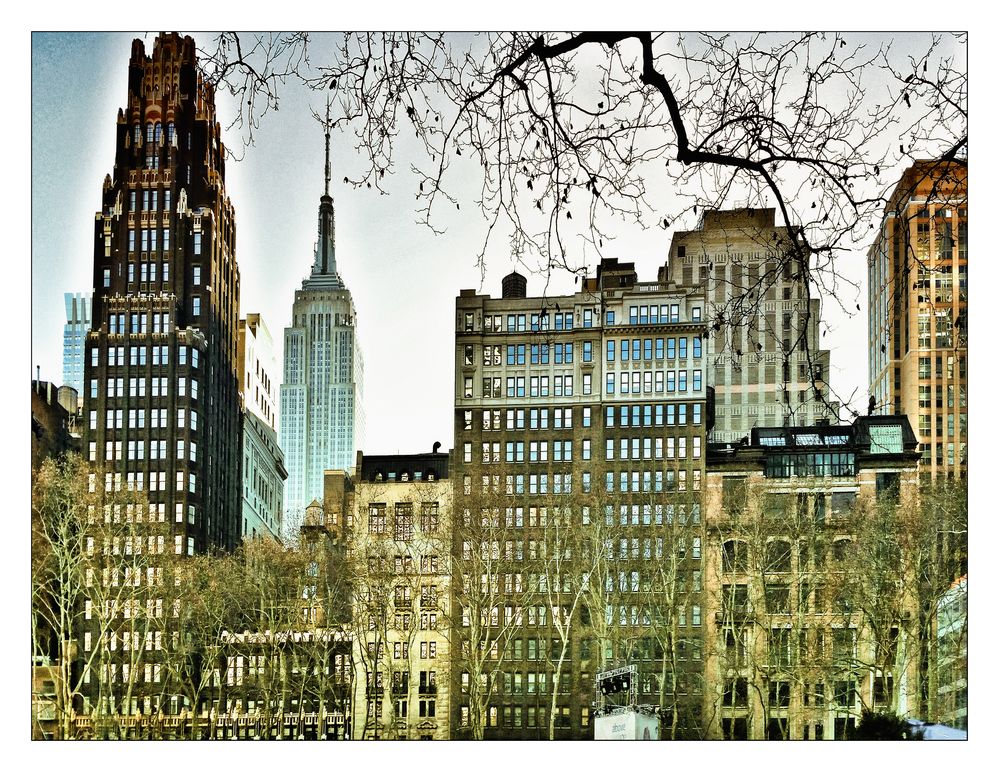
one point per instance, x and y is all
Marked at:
(764, 358)
(790, 654)
(401, 546)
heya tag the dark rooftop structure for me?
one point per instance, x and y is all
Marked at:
(514, 286)
(51, 424)
(414, 467)
(821, 450)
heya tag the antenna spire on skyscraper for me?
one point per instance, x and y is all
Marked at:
(327, 189)
(325, 262)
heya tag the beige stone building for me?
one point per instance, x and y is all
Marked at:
(918, 311)
(399, 553)
(764, 358)
(811, 616)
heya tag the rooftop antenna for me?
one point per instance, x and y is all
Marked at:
(327, 145)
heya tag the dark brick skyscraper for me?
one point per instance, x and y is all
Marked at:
(161, 401)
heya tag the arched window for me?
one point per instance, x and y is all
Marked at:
(734, 556)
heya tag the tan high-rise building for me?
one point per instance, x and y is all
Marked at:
(579, 453)
(764, 359)
(918, 293)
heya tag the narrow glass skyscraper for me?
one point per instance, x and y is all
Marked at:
(78, 306)
(322, 414)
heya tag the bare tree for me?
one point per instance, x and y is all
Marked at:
(572, 136)
(400, 554)
(483, 616)
(566, 564)
(328, 592)
(597, 113)
(780, 600)
(264, 656)
(672, 594)
(207, 604)
(906, 555)
(95, 555)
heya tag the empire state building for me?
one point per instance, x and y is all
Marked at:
(322, 413)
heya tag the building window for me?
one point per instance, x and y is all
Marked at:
(403, 522)
(196, 305)
(376, 519)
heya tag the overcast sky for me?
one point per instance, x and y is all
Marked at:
(403, 278)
